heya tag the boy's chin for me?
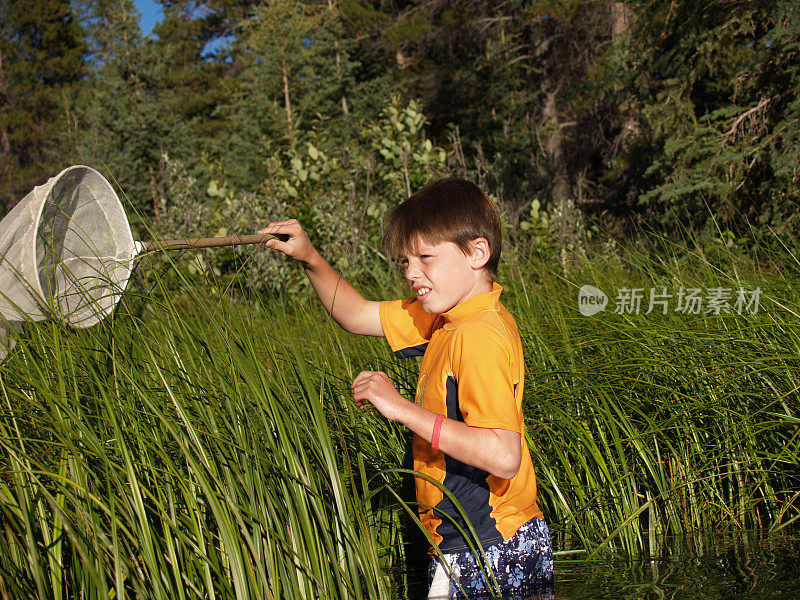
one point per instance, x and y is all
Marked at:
(428, 307)
(433, 308)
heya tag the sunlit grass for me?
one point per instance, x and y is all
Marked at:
(199, 446)
(192, 451)
(646, 428)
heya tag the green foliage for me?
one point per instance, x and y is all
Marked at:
(645, 427)
(409, 159)
(190, 80)
(41, 65)
(654, 110)
(170, 453)
(536, 223)
(193, 445)
(341, 195)
(716, 89)
(681, 114)
(472, 67)
(303, 71)
(127, 122)
(209, 207)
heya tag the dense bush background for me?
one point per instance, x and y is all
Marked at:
(669, 113)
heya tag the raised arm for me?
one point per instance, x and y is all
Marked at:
(348, 308)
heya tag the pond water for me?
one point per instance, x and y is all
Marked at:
(747, 566)
(734, 568)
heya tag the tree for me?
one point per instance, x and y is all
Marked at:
(713, 92)
(127, 122)
(41, 66)
(299, 77)
(202, 71)
(261, 110)
(509, 77)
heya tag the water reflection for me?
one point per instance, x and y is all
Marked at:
(745, 566)
(733, 568)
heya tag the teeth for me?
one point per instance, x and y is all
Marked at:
(422, 291)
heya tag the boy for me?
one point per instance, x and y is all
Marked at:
(467, 414)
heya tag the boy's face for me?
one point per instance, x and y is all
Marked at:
(442, 276)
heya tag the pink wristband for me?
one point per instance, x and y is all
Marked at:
(437, 428)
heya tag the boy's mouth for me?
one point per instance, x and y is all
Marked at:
(422, 292)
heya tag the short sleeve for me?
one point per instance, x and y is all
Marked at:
(487, 377)
(407, 327)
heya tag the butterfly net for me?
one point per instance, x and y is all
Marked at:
(66, 253)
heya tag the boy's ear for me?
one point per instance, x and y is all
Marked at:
(481, 253)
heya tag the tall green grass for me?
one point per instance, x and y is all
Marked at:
(647, 429)
(194, 450)
(203, 444)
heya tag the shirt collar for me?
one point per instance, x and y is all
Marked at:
(464, 310)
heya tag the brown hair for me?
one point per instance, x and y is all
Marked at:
(447, 210)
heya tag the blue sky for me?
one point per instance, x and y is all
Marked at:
(151, 14)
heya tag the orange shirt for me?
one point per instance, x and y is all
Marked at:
(472, 371)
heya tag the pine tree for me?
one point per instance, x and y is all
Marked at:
(265, 112)
(201, 69)
(717, 88)
(503, 77)
(41, 66)
(126, 124)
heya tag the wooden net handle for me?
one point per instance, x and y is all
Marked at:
(213, 242)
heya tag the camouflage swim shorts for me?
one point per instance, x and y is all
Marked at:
(522, 566)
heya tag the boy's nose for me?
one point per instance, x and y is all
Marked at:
(412, 272)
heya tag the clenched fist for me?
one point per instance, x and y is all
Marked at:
(376, 388)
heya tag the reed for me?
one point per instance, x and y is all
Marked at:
(193, 450)
(655, 427)
(200, 445)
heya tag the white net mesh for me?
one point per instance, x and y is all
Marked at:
(66, 252)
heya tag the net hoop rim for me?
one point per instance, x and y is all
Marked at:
(38, 288)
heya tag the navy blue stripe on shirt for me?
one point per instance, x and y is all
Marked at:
(411, 351)
(468, 484)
